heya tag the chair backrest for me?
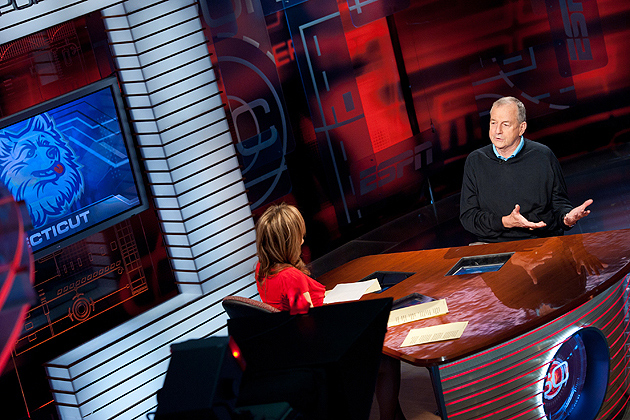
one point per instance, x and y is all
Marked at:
(238, 306)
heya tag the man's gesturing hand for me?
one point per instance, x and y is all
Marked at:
(516, 219)
(577, 213)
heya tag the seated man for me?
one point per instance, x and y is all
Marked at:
(514, 188)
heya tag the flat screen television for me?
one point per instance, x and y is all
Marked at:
(73, 163)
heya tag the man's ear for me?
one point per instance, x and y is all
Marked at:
(522, 128)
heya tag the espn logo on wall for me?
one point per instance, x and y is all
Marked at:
(577, 35)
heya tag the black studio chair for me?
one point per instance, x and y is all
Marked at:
(324, 363)
(238, 307)
(254, 393)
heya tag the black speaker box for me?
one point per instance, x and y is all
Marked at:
(201, 382)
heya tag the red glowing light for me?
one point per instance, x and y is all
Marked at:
(236, 352)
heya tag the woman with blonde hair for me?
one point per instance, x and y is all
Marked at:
(283, 281)
(282, 277)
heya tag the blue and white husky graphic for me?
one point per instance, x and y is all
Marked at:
(38, 166)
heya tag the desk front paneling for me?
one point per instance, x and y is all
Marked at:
(507, 381)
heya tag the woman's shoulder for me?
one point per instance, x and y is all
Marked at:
(291, 271)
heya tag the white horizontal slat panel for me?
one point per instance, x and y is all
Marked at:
(175, 228)
(203, 222)
(162, 16)
(198, 157)
(218, 258)
(216, 281)
(154, 163)
(160, 190)
(179, 121)
(68, 413)
(199, 247)
(190, 124)
(157, 53)
(222, 238)
(167, 92)
(67, 397)
(195, 207)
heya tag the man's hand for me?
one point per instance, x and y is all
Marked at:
(516, 219)
(577, 213)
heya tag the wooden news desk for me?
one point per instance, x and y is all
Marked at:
(519, 316)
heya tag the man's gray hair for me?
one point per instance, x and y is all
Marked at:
(511, 100)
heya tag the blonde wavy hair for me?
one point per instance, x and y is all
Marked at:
(279, 235)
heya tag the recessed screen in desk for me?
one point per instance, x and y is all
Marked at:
(387, 279)
(479, 264)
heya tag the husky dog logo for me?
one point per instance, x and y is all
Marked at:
(38, 166)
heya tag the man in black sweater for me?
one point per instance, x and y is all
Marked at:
(514, 188)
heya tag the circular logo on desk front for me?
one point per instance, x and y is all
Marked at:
(577, 377)
(565, 379)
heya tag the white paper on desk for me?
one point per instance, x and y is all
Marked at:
(441, 332)
(345, 292)
(416, 312)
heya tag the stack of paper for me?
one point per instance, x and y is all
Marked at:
(346, 292)
(431, 334)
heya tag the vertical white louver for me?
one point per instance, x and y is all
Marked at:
(180, 124)
(181, 127)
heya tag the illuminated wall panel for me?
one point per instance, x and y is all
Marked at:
(182, 156)
(180, 124)
(188, 115)
(197, 238)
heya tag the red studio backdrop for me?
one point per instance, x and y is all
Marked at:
(357, 113)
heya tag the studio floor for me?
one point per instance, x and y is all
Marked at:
(416, 395)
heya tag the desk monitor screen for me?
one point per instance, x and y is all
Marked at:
(387, 279)
(479, 264)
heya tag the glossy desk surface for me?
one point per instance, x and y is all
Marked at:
(542, 280)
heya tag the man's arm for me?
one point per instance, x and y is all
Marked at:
(480, 223)
(560, 202)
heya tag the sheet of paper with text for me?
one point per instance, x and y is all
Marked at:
(434, 333)
(416, 312)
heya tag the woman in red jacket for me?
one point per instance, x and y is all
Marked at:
(282, 277)
(283, 281)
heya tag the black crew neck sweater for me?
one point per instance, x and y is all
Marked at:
(492, 187)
